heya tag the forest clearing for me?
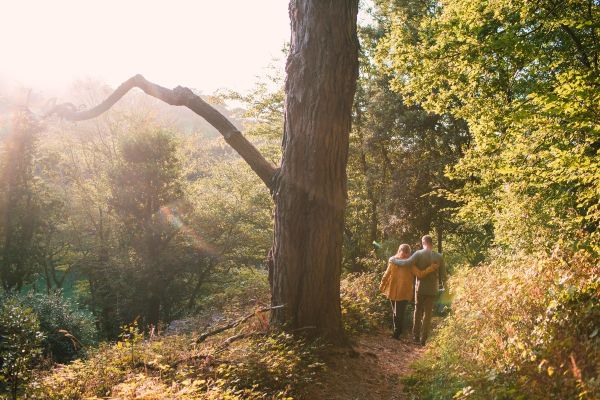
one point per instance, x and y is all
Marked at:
(384, 199)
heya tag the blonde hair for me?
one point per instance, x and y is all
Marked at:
(404, 248)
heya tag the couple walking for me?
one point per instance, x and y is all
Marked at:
(427, 268)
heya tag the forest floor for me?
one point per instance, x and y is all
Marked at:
(371, 369)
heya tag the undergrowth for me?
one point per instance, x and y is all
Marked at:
(521, 328)
(364, 309)
(261, 366)
(249, 362)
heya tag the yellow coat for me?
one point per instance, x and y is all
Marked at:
(397, 282)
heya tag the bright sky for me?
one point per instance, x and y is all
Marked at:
(204, 44)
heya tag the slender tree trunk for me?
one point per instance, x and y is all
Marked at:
(370, 197)
(15, 386)
(153, 310)
(310, 190)
(368, 181)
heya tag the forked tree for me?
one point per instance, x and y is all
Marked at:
(309, 187)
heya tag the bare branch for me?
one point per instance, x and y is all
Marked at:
(205, 335)
(180, 96)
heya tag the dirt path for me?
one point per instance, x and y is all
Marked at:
(372, 371)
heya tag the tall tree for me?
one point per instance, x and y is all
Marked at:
(398, 155)
(525, 77)
(146, 187)
(310, 186)
(20, 203)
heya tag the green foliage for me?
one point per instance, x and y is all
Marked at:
(94, 377)
(68, 330)
(150, 221)
(525, 78)
(237, 212)
(469, 244)
(397, 160)
(272, 366)
(20, 345)
(130, 337)
(232, 224)
(279, 364)
(363, 307)
(236, 291)
(128, 214)
(21, 202)
(521, 328)
(567, 343)
(147, 198)
(147, 177)
(155, 218)
(261, 113)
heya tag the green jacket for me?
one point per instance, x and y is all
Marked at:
(422, 259)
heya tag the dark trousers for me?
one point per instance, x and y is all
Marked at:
(398, 311)
(422, 319)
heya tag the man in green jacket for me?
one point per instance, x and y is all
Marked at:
(426, 289)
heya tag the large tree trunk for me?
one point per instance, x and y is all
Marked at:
(310, 190)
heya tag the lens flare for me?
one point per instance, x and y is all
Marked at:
(169, 213)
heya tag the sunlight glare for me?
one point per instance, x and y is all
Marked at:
(203, 44)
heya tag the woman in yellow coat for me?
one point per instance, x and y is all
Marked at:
(397, 286)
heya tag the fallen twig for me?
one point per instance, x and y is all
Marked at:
(205, 335)
(304, 328)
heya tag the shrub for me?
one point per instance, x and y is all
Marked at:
(68, 329)
(119, 370)
(175, 367)
(564, 352)
(20, 345)
(521, 328)
(278, 364)
(363, 307)
(246, 287)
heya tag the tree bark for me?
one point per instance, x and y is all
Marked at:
(310, 191)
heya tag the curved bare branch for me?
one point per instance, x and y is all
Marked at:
(180, 96)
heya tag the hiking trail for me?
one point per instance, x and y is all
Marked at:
(372, 370)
